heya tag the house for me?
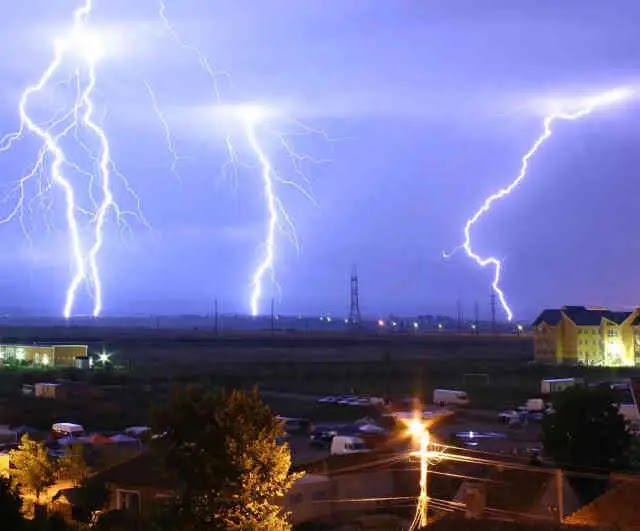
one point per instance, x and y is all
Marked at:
(588, 336)
(135, 485)
(618, 507)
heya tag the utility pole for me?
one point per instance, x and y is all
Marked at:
(476, 317)
(423, 500)
(493, 312)
(420, 431)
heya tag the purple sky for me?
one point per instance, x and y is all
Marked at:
(427, 106)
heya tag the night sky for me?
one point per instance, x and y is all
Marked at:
(426, 106)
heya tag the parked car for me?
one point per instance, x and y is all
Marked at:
(327, 400)
(346, 400)
(322, 437)
(442, 397)
(347, 444)
(509, 416)
(67, 429)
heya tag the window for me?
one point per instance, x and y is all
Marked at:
(128, 500)
(612, 332)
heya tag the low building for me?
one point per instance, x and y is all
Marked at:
(576, 335)
(45, 355)
(49, 390)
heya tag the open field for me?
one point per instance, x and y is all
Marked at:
(204, 345)
(292, 369)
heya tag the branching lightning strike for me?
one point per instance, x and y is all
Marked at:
(251, 117)
(81, 48)
(584, 108)
(81, 44)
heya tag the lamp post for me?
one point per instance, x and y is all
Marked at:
(421, 433)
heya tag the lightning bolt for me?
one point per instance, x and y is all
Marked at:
(266, 264)
(83, 44)
(585, 107)
(166, 129)
(250, 117)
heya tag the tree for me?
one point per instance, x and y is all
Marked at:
(586, 430)
(72, 465)
(92, 496)
(221, 451)
(10, 507)
(31, 467)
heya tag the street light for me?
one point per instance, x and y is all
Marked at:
(104, 358)
(420, 432)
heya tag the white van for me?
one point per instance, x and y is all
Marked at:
(443, 397)
(67, 429)
(347, 444)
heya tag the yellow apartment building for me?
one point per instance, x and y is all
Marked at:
(588, 336)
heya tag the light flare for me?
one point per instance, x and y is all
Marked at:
(583, 107)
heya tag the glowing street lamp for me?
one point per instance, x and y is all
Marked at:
(104, 358)
(381, 323)
(420, 432)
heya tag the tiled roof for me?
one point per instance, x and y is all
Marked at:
(618, 506)
(141, 470)
(617, 317)
(583, 316)
(551, 317)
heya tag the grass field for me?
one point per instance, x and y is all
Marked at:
(295, 368)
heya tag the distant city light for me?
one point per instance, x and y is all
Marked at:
(473, 326)
(329, 319)
(520, 328)
(440, 326)
(394, 323)
(416, 325)
(380, 323)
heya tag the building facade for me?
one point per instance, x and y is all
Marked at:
(45, 355)
(576, 335)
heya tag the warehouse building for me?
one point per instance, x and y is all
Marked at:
(45, 355)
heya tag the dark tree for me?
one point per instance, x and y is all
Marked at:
(586, 430)
(221, 452)
(10, 506)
